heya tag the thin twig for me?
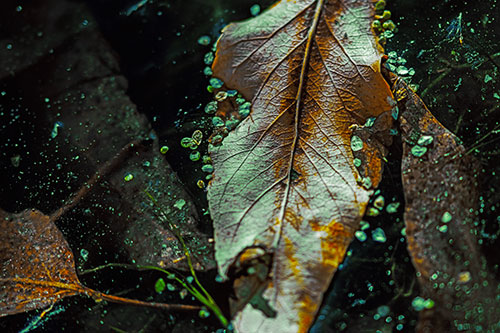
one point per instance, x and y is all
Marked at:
(101, 173)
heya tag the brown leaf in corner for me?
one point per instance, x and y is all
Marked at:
(442, 196)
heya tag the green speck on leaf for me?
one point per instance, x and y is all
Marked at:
(418, 151)
(180, 203)
(446, 217)
(425, 140)
(356, 143)
(128, 177)
(370, 121)
(443, 228)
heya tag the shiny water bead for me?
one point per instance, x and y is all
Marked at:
(187, 142)
(197, 136)
(164, 149)
(379, 202)
(194, 156)
(220, 96)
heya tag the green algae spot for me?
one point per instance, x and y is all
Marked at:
(392, 207)
(204, 40)
(364, 225)
(378, 235)
(208, 168)
(443, 228)
(128, 177)
(360, 235)
(372, 212)
(367, 183)
(357, 162)
(232, 123)
(395, 111)
(420, 303)
(211, 107)
(204, 313)
(217, 122)
(446, 217)
(255, 10)
(216, 83)
(425, 140)
(160, 285)
(207, 71)
(208, 58)
(418, 151)
(356, 143)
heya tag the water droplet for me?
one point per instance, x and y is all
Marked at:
(378, 235)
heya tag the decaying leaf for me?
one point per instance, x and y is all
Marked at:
(441, 193)
(285, 184)
(37, 267)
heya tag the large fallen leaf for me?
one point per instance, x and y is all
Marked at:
(442, 198)
(285, 184)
